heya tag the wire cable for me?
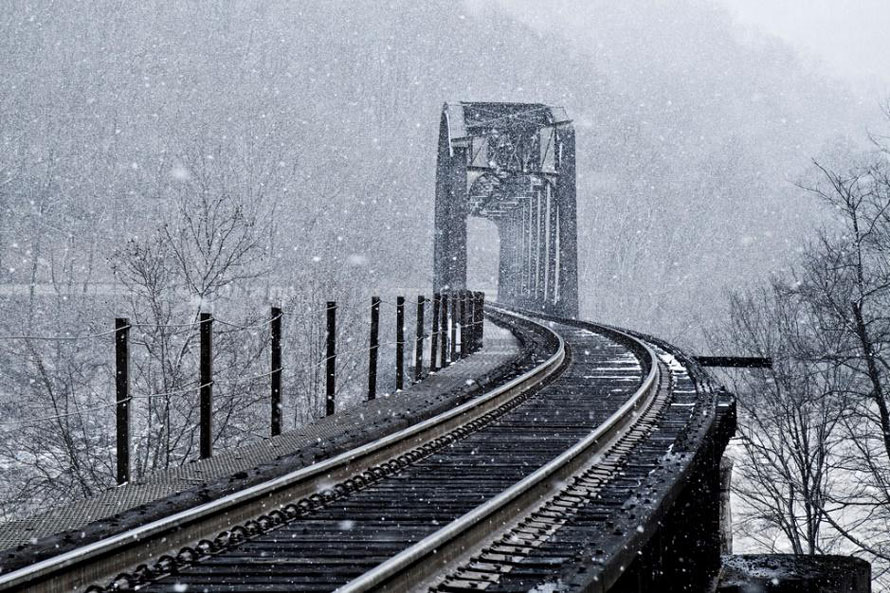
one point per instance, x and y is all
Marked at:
(177, 392)
(60, 338)
(164, 325)
(244, 327)
(35, 421)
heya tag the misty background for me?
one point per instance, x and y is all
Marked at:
(308, 129)
(691, 130)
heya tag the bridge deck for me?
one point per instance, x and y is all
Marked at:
(184, 486)
(336, 544)
(579, 543)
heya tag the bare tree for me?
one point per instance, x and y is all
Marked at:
(55, 440)
(789, 422)
(207, 248)
(847, 282)
(816, 427)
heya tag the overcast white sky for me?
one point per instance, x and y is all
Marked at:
(851, 36)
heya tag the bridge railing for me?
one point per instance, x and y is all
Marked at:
(449, 327)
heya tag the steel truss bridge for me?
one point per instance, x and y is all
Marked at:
(513, 164)
(582, 457)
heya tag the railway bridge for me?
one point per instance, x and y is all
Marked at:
(562, 455)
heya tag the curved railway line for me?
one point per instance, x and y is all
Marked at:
(501, 493)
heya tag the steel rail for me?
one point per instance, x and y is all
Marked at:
(418, 564)
(105, 558)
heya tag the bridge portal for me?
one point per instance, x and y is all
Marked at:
(513, 163)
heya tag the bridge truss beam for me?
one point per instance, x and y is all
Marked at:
(514, 164)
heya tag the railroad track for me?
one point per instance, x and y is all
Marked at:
(472, 499)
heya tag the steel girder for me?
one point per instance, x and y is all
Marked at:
(512, 163)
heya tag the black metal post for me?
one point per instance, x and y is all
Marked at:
(418, 343)
(276, 371)
(434, 338)
(454, 299)
(331, 357)
(206, 389)
(443, 336)
(122, 388)
(458, 323)
(474, 315)
(400, 343)
(480, 335)
(471, 322)
(375, 345)
(464, 333)
(474, 321)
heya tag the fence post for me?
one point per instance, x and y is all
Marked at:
(474, 322)
(480, 334)
(375, 345)
(434, 341)
(464, 334)
(477, 313)
(276, 371)
(400, 342)
(418, 344)
(454, 310)
(474, 319)
(471, 321)
(206, 389)
(443, 336)
(331, 357)
(122, 388)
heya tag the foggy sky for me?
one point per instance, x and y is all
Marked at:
(687, 137)
(849, 37)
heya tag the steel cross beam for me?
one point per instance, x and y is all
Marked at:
(512, 163)
(739, 362)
